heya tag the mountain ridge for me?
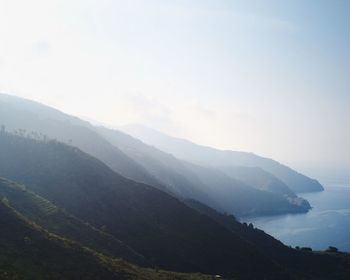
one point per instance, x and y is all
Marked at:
(30, 252)
(204, 155)
(191, 181)
(151, 222)
(164, 229)
(140, 163)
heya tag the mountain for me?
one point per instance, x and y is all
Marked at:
(140, 162)
(159, 227)
(258, 178)
(173, 174)
(207, 156)
(36, 250)
(206, 184)
(47, 215)
(168, 233)
(243, 200)
(303, 263)
(30, 252)
(39, 121)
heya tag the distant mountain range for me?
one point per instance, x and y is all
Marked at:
(160, 228)
(207, 184)
(68, 210)
(203, 155)
(213, 185)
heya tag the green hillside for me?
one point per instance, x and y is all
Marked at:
(44, 213)
(28, 252)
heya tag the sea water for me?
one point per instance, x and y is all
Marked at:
(327, 224)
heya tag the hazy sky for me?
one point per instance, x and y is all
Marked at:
(270, 77)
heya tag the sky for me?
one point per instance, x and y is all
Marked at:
(270, 77)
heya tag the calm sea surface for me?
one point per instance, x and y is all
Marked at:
(327, 224)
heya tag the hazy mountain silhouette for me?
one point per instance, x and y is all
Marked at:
(159, 227)
(258, 178)
(205, 184)
(138, 161)
(208, 156)
(28, 117)
(188, 237)
(235, 195)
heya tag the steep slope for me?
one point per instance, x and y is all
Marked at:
(174, 175)
(29, 252)
(31, 118)
(233, 195)
(161, 228)
(205, 184)
(304, 264)
(203, 155)
(53, 219)
(258, 178)
(133, 159)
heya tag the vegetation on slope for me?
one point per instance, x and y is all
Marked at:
(304, 264)
(154, 224)
(44, 213)
(138, 161)
(27, 252)
(27, 117)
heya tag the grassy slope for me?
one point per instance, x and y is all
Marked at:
(52, 218)
(29, 252)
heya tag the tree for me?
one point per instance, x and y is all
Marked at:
(3, 128)
(332, 249)
(307, 249)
